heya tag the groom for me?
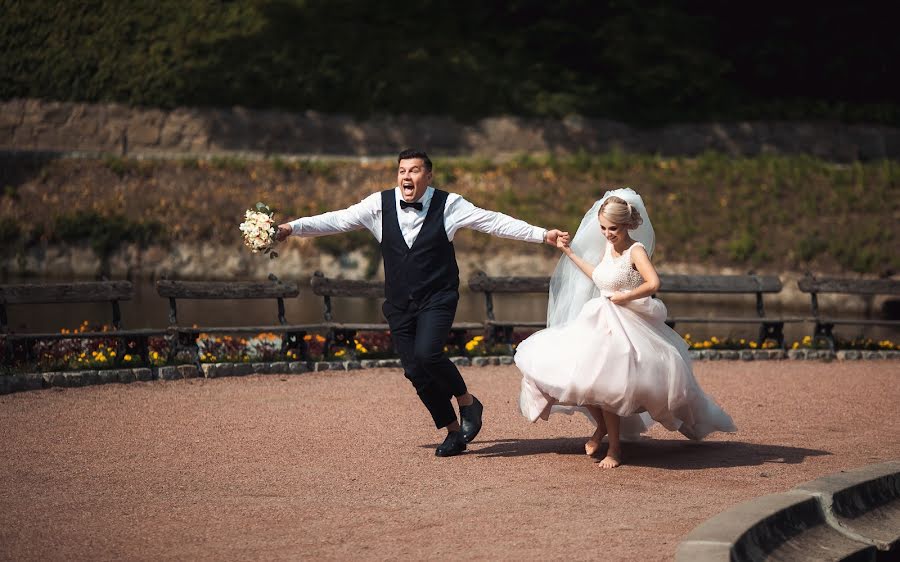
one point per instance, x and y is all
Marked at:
(415, 225)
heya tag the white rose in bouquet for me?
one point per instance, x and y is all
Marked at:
(259, 230)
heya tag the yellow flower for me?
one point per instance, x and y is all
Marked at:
(753, 345)
(340, 353)
(127, 357)
(796, 345)
(155, 355)
(714, 339)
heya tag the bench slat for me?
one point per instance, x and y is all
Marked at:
(850, 286)
(113, 334)
(734, 320)
(327, 287)
(672, 283)
(52, 293)
(860, 322)
(226, 290)
(247, 329)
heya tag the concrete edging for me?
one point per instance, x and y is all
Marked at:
(851, 515)
(69, 379)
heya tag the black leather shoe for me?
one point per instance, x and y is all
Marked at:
(471, 419)
(454, 444)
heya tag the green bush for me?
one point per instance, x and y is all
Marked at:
(647, 62)
(106, 233)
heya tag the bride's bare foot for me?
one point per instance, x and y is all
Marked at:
(593, 444)
(611, 460)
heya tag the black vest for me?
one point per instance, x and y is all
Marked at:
(429, 267)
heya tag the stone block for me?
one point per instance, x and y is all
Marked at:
(352, 365)
(368, 363)
(695, 354)
(128, 375)
(108, 376)
(242, 369)
(849, 355)
(322, 366)
(461, 361)
(796, 354)
(729, 354)
(260, 368)
(872, 354)
(390, 364)
(208, 369)
(188, 371)
(506, 360)
(298, 367)
(747, 355)
(224, 369)
(142, 374)
(5, 384)
(481, 361)
(34, 381)
(167, 373)
(279, 367)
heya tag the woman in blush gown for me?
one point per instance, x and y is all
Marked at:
(607, 350)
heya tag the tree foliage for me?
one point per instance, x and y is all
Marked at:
(651, 61)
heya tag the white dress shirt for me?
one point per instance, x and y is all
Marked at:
(458, 213)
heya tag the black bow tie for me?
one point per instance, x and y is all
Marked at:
(417, 205)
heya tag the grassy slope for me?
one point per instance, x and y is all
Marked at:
(764, 213)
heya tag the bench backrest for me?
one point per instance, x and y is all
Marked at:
(327, 287)
(226, 290)
(719, 284)
(849, 286)
(61, 293)
(480, 282)
(812, 285)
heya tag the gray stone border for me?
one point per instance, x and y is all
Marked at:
(69, 379)
(848, 515)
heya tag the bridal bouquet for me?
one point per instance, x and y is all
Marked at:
(259, 230)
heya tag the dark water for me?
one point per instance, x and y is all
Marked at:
(148, 310)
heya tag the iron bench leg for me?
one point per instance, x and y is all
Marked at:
(824, 331)
(772, 331)
(295, 341)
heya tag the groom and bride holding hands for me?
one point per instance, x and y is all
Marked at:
(606, 352)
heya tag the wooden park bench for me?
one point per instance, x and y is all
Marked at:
(184, 338)
(850, 287)
(769, 327)
(343, 333)
(20, 346)
(501, 331)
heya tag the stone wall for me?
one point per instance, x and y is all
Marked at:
(35, 125)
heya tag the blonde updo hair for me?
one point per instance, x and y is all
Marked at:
(622, 212)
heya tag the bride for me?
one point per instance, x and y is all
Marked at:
(607, 350)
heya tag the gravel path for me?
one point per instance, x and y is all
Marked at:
(341, 465)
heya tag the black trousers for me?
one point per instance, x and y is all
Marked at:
(419, 334)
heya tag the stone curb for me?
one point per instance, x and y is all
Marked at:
(36, 381)
(848, 515)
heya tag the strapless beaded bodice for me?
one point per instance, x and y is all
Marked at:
(617, 273)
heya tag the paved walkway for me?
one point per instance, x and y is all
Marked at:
(341, 465)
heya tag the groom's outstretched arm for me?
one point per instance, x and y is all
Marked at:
(460, 213)
(355, 217)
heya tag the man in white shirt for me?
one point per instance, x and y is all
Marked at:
(415, 225)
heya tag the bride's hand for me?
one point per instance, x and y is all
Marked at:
(618, 298)
(562, 243)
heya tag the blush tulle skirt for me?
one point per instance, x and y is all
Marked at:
(624, 359)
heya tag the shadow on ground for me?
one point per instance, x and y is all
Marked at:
(671, 454)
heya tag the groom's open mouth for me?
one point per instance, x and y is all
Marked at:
(408, 189)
